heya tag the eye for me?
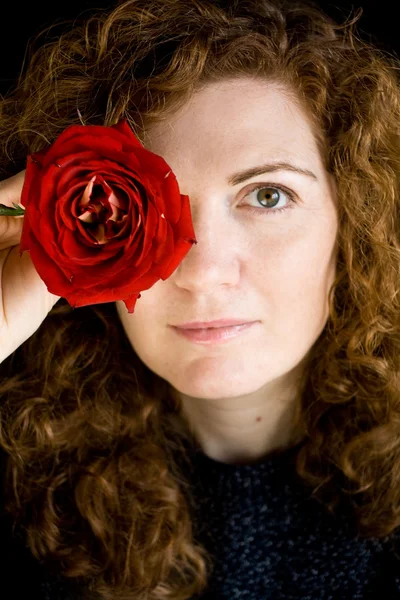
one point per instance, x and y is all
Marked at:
(269, 197)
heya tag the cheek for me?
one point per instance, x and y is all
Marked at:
(279, 261)
(296, 270)
(141, 326)
(146, 333)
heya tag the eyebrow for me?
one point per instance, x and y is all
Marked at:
(268, 168)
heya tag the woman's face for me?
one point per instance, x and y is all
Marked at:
(251, 262)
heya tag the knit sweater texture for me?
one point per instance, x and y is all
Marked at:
(269, 539)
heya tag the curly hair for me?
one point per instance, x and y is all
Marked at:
(94, 443)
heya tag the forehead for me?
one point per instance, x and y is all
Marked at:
(237, 115)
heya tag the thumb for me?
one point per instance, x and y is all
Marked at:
(10, 194)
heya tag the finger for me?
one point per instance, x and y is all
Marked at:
(10, 231)
(11, 188)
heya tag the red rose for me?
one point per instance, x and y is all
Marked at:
(104, 218)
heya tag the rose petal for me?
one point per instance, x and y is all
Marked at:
(106, 213)
(78, 133)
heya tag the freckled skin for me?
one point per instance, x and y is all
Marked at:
(274, 268)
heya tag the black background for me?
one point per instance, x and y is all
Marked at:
(20, 21)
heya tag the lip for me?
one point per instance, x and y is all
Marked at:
(214, 335)
(208, 324)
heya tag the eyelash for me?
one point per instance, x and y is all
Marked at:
(291, 203)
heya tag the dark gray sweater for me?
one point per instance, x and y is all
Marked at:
(269, 538)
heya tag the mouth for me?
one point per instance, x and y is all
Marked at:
(213, 335)
(219, 323)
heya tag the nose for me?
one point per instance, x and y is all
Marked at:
(214, 260)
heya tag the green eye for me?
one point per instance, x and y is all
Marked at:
(269, 197)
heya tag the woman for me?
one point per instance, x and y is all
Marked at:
(145, 458)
